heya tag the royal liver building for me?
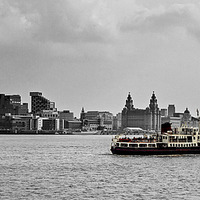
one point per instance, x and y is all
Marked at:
(147, 119)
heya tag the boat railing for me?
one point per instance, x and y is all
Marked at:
(136, 145)
(137, 140)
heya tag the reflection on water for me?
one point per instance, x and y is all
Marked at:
(82, 167)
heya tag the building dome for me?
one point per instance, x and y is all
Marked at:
(187, 111)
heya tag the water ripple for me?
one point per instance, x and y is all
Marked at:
(76, 167)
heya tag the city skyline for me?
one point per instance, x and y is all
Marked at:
(91, 54)
(171, 108)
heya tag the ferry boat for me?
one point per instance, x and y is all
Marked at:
(181, 140)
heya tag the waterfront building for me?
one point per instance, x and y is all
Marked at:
(50, 124)
(45, 124)
(147, 119)
(97, 119)
(6, 121)
(172, 117)
(117, 121)
(66, 115)
(50, 117)
(12, 104)
(23, 109)
(175, 121)
(21, 122)
(39, 123)
(163, 112)
(188, 120)
(40, 103)
(49, 114)
(106, 120)
(180, 119)
(74, 124)
(53, 119)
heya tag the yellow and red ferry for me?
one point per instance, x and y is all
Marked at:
(181, 140)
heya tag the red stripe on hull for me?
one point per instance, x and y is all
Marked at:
(155, 151)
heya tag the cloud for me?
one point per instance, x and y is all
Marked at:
(164, 19)
(76, 30)
(61, 21)
(35, 32)
(90, 21)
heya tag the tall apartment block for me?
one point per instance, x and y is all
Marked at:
(171, 110)
(39, 103)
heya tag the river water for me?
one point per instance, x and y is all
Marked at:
(82, 167)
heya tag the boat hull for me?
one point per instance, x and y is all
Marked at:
(154, 151)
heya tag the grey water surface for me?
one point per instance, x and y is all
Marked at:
(82, 167)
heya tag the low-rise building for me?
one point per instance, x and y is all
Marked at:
(117, 122)
(180, 119)
(66, 115)
(97, 120)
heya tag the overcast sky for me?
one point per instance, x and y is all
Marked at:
(92, 53)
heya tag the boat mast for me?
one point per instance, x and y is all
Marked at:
(198, 118)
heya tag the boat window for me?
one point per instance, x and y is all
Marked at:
(189, 138)
(117, 144)
(123, 145)
(143, 145)
(151, 145)
(133, 145)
